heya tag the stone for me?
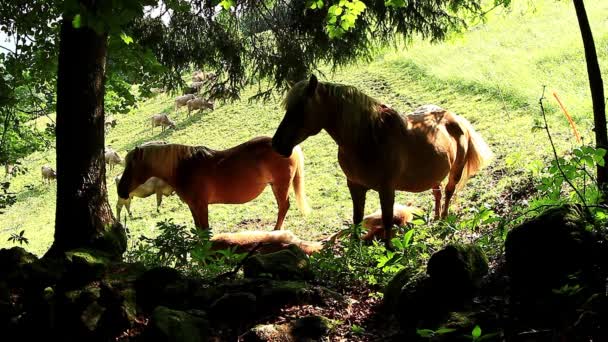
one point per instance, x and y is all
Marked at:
(176, 326)
(309, 328)
(543, 252)
(458, 269)
(161, 286)
(239, 306)
(290, 263)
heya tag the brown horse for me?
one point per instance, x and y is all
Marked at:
(201, 176)
(381, 149)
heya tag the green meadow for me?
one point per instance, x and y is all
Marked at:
(493, 74)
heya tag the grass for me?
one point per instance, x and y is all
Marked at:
(493, 74)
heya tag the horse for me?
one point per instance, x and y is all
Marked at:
(202, 176)
(380, 149)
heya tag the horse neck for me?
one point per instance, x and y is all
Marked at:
(342, 129)
(164, 161)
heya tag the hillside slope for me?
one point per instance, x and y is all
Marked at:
(493, 75)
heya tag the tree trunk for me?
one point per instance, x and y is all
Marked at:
(83, 216)
(597, 91)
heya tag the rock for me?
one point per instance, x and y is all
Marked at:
(162, 286)
(458, 269)
(392, 290)
(13, 259)
(269, 333)
(83, 266)
(175, 326)
(453, 275)
(544, 251)
(234, 307)
(277, 294)
(291, 263)
(310, 328)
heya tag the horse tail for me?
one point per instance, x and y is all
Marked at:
(478, 153)
(298, 181)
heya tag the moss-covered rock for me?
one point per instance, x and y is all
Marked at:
(162, 286)
(392, 291)
(290, 263)
(234, 307)
(310, 328)
(13, 259)
(176, 326)
(459, 268)
(544, 251)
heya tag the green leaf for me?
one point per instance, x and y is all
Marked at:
(442, 331)
(126, 38)
(476, 332)
(425, 333)
(76, 21)
(407, 238)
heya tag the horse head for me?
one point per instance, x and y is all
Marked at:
(134, 173)
(302, 119)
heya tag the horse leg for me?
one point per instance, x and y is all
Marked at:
(281, 194)
(437, 194)
(200, 215)
(159, 200)
(357, 194)
(387, 200)
(449, 192)
(455, 172)
(128, 206)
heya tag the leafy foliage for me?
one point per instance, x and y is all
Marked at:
(187, 250)
(18, 238)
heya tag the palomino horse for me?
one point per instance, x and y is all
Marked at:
(201, 176)
(381, 149)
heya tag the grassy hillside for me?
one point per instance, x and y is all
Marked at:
(492, 74)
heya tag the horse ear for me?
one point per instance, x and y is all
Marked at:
(137, 153)
(312, 85)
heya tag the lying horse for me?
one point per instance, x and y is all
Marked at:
(202, 176)
(380, 149)
(372, 223)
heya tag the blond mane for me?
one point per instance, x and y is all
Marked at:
(166, 158)
(359, 113)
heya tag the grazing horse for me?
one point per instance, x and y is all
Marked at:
(202, 176)
(380, 149)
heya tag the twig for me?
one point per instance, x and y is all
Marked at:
(559, 167)
(240, 264)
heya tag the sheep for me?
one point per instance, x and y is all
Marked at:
(112, 158)
(110, 122)
(48, 174)
(162, 120)
(152, 186)
(198, 103)
(200, 76)
(183, 100)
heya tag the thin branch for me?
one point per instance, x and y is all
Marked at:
(559, 167)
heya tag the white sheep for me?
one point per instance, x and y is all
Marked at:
(183, 100)
(200, 104)
(161, 120)
(152, 186)
(112, 158)
(48, 174)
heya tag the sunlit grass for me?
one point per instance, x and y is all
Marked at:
(493, 75)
